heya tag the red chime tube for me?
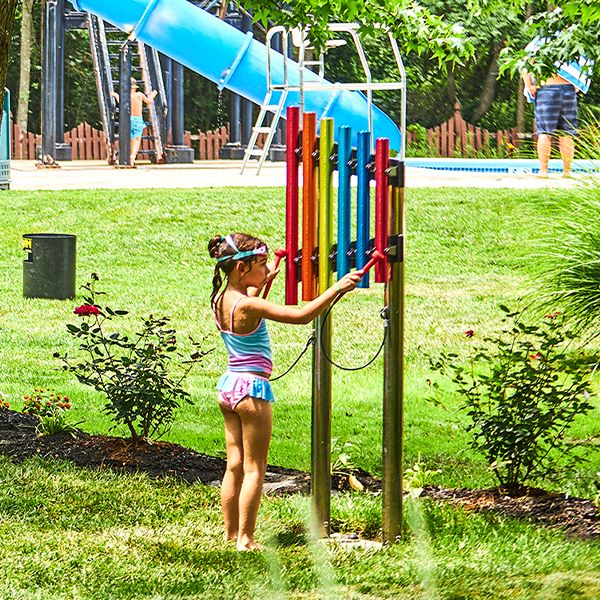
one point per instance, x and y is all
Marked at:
(309, 206)
(382, 156)
(291, 204)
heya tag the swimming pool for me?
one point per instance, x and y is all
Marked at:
(500, 165)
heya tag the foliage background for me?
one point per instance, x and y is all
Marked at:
(434, 82)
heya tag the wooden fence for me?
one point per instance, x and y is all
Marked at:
(88, 143)
(456, 137)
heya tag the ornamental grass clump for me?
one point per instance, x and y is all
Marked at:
(522, 390)
(570, 262)
(136, 373)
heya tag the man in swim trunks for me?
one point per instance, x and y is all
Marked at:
(555, 111)
(556, 108)
(137, 123)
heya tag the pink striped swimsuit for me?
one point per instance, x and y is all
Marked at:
(249, 353)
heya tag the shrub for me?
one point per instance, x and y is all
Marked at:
(135, 374)
(522, 390)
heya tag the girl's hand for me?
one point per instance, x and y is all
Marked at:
(348, 282)
(273, 272)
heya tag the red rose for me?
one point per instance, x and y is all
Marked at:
(87, 309)
(536, 356)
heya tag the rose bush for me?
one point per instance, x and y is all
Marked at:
(136, 374)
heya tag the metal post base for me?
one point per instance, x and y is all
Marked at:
(277, 153)
(232, 152)
(63, 152)
(179, 154)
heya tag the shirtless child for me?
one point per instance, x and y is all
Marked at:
(136, 120)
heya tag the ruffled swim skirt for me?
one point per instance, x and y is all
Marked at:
(233, 387)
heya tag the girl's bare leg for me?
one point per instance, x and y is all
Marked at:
(234, 475)
(256, 417)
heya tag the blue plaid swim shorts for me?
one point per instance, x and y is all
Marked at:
(556, 109)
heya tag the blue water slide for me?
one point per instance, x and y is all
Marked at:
(232, 59)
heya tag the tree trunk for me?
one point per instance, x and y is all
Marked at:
(25, 69)
(520, 107)
(451, 84)
(488, 92)
(521, 88)
(7, 22)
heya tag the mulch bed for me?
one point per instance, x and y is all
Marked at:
(19, 441)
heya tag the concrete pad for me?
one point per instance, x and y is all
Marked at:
(90, 174)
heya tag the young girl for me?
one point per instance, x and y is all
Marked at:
(244, 391)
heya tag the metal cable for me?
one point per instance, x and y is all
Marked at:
(309, 342)
(383, 314)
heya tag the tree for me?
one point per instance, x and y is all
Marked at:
(570, 27)
(25, 67)
(7, 20)
(416, 28)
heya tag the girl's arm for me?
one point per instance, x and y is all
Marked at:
(263, 309)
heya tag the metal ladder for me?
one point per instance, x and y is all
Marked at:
(252, 148)
(106, 67)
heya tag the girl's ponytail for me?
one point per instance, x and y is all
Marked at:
(214, 251)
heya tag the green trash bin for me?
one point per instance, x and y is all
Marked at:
(49, 267)
(5, 144)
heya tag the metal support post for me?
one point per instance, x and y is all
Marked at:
(393, 376)
(247, 106)
(125, 104)
(321, 431)
(49, 82)
(321, 404)
(178, 105)
(62, 150)
(235, 134)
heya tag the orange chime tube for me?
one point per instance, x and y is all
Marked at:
(291, 202)
(309, 206)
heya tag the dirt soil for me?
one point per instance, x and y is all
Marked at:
(18, 440)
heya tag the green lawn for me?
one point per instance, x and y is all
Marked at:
(467, 251)
(69, 533)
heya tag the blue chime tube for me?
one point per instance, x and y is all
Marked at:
(363, 239)
(344, 198)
